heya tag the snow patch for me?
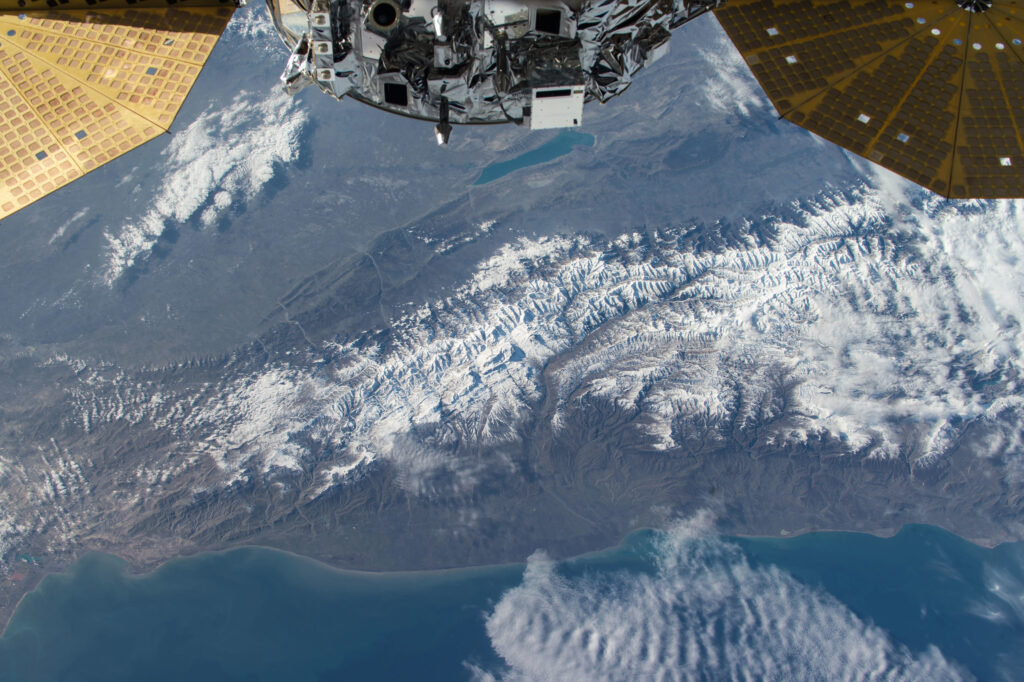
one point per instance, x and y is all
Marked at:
(885, 320)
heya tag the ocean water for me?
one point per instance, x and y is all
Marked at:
(923, 586)
(560, 145)
(255, 614)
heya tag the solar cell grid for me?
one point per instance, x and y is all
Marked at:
(81, 87)
(927, 89)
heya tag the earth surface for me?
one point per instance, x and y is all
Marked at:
(299, 323)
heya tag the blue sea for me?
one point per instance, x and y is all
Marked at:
(923, 600)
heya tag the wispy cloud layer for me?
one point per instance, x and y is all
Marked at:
(729, 87)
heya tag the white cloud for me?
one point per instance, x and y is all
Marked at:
(730, 87)
(254, 26)
(225, 156)
(1003, 602)
(704, 614)
(68, 223)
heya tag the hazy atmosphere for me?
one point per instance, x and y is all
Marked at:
(299, 324)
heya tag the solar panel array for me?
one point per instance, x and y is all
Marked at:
(929, 89)
(80, 87)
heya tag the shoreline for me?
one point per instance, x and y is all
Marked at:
(134, 570)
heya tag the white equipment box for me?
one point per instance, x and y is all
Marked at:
(556, 107)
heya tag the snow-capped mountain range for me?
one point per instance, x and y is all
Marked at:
(528, 363)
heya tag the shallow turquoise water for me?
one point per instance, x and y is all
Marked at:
(560, 145)
(255, 614)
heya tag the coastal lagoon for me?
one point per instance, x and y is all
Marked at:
(922, 602)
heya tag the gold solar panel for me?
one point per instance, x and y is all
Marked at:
(81, 87)
(932, 89)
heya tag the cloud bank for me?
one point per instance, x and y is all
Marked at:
(225, 157)
(704, 614)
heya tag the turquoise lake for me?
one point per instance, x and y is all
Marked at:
(255, 614)
(563, 143)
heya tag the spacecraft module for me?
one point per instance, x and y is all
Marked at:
(931, 89)
(497, 61)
